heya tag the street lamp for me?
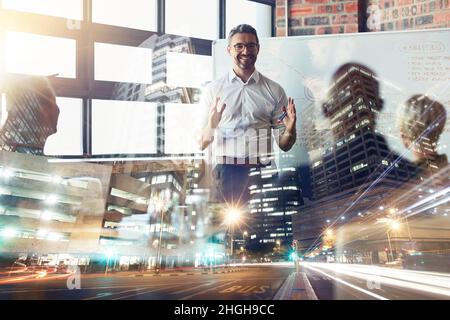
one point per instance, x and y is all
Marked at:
(393, 225)
(392, 210)
(232, 217)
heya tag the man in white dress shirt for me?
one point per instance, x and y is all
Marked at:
(245, 110)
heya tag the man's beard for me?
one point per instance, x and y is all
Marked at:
(246, 62)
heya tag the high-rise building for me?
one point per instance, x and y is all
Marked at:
(315, 134)
(275, 194)
(159, 91)
(359, 153)
(51, 212)
(357, 166)
(145, 214)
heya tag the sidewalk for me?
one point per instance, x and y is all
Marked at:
(296, 287)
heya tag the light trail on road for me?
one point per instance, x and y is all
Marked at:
(347, 283)
(428, 282)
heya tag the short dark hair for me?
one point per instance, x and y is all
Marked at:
(242, 28)
(423, 117)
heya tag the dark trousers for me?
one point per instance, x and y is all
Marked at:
(231, 183)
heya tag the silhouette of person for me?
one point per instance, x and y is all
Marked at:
(359, 155)
(421, 125)
(31, 115)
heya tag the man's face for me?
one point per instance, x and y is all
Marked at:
(244, 50)
(54, 115)
(51, 113)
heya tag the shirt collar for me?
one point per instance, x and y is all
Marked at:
(255, 76)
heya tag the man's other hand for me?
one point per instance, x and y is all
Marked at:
(215, 115)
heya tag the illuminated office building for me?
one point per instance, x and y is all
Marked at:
(356, 167)
(359, 153)
(275, 195)
(314, 134)
(51, 212)
(203, 233)
(87, 214)
(145, 213)
(126, 224)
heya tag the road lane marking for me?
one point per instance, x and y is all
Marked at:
(246, 289)
(196, 287)
(83, 288)
(108, 294)
(145, 292)
(348, 284)
(207, 290)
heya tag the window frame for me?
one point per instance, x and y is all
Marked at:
(86, 33)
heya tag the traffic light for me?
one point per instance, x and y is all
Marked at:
(293, 256)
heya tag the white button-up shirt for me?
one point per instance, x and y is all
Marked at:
(252, 111)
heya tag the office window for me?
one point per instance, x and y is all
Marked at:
(68, 139)
(28, 53)
(70, 9)
(183, 120)
(193, 18)
(123, 127)
(188, 70)
(135, 14)
(123, 63)
(258, 15)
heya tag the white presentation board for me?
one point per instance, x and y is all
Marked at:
(406, 63)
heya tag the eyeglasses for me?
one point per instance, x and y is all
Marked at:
(249, 46)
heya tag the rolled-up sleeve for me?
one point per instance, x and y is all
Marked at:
(278, 127)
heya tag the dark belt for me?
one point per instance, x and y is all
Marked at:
(245, 162)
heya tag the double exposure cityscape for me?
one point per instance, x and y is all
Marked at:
(108, 190)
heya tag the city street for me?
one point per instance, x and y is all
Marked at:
(252, 283)
(356, 282)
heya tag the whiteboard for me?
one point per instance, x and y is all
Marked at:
(406, 63)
